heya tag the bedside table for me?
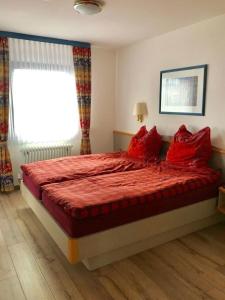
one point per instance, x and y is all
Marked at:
(221, 200)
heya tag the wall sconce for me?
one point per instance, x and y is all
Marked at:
(140, 110)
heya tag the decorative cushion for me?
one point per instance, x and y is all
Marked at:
(146, 145)
(190, 149)
(141, 132)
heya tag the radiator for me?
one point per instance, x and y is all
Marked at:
(32, 154)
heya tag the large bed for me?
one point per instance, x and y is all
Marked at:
(103, 218)
(102, 208)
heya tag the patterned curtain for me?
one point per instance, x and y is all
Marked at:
(6, 177)
(82, 66)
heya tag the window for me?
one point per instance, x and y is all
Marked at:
(45, 108)
(43, 105)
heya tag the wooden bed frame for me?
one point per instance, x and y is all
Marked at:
(99, 249)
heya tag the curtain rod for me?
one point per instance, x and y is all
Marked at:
(45, 39)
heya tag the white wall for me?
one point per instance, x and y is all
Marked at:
(138, 71)
(103, 96)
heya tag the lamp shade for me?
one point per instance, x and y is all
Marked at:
(140, 108)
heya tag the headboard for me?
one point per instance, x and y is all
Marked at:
(122, 139)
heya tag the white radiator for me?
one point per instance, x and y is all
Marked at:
(32, 154)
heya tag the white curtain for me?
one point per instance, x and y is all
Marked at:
(43, 106)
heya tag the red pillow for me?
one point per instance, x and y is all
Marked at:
(141, 132)
(189, 149)
(145, 146)
(132, 149)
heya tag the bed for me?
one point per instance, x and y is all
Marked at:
(104, 218)
(112, 207)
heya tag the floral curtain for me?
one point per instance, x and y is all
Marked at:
(6, 177)
(82, 66)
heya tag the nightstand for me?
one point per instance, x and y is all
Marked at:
(221, 201)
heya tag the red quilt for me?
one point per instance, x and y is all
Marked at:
(101, 195)
(75, 167)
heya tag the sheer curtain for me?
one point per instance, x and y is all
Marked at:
(43, 105)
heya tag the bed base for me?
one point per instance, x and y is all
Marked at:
(105, 247)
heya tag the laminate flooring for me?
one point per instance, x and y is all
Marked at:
(32, 267)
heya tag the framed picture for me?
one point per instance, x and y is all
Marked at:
(183, 91)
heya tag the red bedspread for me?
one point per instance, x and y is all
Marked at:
(101, 195)
(75, 167)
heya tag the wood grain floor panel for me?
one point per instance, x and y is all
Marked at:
(137, 278)
(58, 280)
(186, 270)
(10, 289)
(45, 248)
(32, 266)
(31, 279)
(174, 285)
(123, 284)
(2, 210)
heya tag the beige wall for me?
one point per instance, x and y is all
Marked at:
(103, 95)
(138, 69)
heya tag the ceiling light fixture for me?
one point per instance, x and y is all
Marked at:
(88, 7)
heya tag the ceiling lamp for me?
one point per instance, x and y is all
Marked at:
(88, 7)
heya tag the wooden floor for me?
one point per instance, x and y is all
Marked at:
(32, 267)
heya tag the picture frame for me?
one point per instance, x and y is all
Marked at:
(183, 91)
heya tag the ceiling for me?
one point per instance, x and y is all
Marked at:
(120, 23)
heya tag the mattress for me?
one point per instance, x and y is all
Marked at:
(34, 188)
(40, 173)
(94, 204)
